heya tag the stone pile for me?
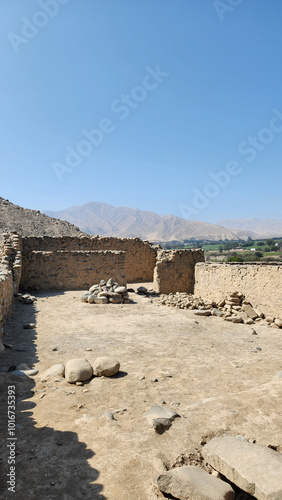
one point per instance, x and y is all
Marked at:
(106, 292)
(234, 308)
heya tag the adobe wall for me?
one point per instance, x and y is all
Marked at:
(140, 256)
(67, 270)
(260, 283)
(175, 270)
(10, 274)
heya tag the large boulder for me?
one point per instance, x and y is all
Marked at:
(78, 370)
(105, 366)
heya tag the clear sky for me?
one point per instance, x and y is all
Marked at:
(143, 103)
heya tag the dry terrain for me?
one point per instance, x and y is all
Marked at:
(218, 376)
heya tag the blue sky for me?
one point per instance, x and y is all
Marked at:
(175, 91)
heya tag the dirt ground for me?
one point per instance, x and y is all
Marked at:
(208, 370)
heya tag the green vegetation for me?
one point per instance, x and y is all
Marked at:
(261, 250)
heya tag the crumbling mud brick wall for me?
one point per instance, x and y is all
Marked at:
(67, 270)
(260, 283)
(10, 274)
(175, 270)
(140, 256)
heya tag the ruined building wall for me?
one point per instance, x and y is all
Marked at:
(67, 270)
(260, 283)
(140, 256)
(10, 274)
(175, 270)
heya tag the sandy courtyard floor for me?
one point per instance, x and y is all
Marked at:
(208, 370)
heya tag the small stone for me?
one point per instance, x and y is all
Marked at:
(110, 282)
(108, 414)
(29, 326)
(202, 312)
(88, 349)
(154, 380)
(54, 348)
(23, 366)
(79, 383)
(120, 289)
(60, 443)
(142, 290)
(161, 424)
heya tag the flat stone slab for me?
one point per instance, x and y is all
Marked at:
(252, 467)
(161, 412)
(194, 483)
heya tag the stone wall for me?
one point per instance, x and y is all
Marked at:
(67, 270)
(260, 283)
(140, 256)
(175, 270)
(10, 274)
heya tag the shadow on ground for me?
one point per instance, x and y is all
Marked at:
(50, 464)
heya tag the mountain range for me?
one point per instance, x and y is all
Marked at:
(124, 222)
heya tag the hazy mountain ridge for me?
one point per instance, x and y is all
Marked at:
(106, 220)
(262, 228)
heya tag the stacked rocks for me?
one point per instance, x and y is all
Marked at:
(234, 308)
(106, 292)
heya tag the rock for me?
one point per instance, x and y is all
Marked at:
(105, 366)
(161, 418)
(101, 300)
(84, 297)
(142, 290)
(110, 282)
(116, 300)
(249, 321)
(249, 310)
(91, 298)
(108, 414)
(255, 469)
(216, 312)
(78, 370)
(23, 366)
(221, 303)
(121, 289)
(202, 312)
(104, 294)
(193, 483)
(57, 370)
(24, 373)
(278, 322)
(103, 283)
(131, 290)
(93, 288)
(29, 326)
(269, 319)
(161, 424)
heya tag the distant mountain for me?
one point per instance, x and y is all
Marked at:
(106, 220)
(31, 222)
(261, 228)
